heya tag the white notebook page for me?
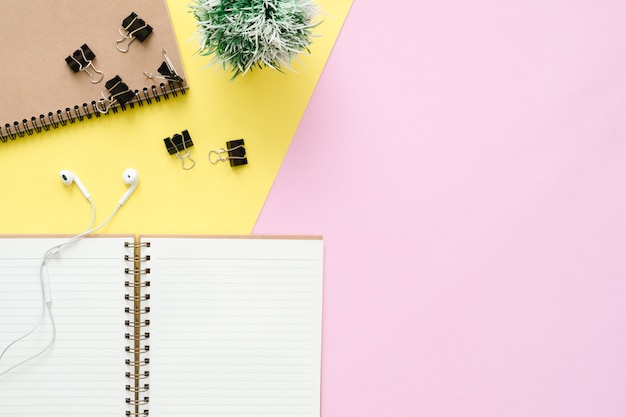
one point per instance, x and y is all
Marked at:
(83, 373)
(235, 327)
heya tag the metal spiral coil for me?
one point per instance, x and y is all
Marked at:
(60, 118)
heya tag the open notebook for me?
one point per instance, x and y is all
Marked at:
(173, 326)
(40, 90)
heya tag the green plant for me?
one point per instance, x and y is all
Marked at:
(242, 34)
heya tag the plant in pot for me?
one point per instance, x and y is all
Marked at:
(243, 34)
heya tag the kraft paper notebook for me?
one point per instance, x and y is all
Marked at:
(165, 326)
(39, 88)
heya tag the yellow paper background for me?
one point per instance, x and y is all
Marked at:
(264, 107)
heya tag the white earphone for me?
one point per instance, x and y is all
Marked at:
(68, 177)
(130, 177)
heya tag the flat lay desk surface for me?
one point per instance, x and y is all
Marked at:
(466, 166)
(263, 108)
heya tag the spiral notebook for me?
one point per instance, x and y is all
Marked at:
(163, 326)
(39, 88)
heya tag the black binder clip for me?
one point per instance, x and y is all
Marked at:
(166, 71)
(81, 59)
(133, 28)
(179, 145)
(235, 153)
(119, 93)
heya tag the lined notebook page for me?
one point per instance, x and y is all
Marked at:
(235, 327)
(83, 373)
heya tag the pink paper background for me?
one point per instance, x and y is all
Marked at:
(466, 165)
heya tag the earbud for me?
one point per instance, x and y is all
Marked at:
(68, 177)
(130, 177)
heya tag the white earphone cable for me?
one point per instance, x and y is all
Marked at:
(45, 296)
(130, 177)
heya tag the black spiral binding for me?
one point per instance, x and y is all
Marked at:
(138, 334)
(87, 110)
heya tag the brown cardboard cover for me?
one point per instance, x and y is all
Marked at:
(37, 35)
